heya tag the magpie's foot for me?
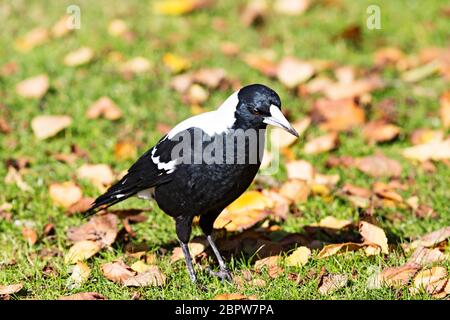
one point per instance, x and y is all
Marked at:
(223, 274)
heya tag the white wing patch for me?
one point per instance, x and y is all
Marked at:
(146, 194)
(214, 122)
(168, 166)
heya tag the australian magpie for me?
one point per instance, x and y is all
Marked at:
(203, 164)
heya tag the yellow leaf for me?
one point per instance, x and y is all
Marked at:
(81, 251)
(80, 274)
(332, 223)
(176, 63)
(174, 7)
(79, 57)
(373, 234)
(140, 266)
(299, 257)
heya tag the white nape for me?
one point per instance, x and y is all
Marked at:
(214, 122)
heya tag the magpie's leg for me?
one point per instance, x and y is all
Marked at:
(183, 227)
(206, 224)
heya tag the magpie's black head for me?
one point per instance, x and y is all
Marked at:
(259, 105)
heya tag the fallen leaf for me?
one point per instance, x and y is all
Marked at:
(333, 249)
(117, 271)
(79, 57)
(295, 190)
(80, 274)
(267, 262)
(332, 282)
(137, 65)
(178, 7)
(321, 144)
(97, 174)
(84, 296)
(196, 247)
(378, 131)
(117, 27)
(291, 7)
(337, 115)
(282, 139)
(29, 235)
(424, 256)
(48, 126)
(254, 12)
(101, 228)
(82, 250)
(300, 169)
(34, 87)
(421, 72)
(261, 63)
(15, 177)
(152, 277)
(65, 194)
(61, 27)
(331, 222)
(80, 206)
(140, 266)
(388, 55)
(196, 95)
(176, 63)
(104, 107)
(124, 150)
(341, 91)
(379, 166)
(291, 71)
(433, 280)
(233, 296)
(394, 276)
(423, 136)
(444, 111)
(433, 150)
(10, 289)
(299, 257)
(374, 235)
(32, 39)
(433, 238)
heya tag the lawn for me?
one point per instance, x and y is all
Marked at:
(149, 105)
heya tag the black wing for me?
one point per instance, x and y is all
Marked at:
(143, 174)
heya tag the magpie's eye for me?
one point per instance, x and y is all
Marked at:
(255, 111)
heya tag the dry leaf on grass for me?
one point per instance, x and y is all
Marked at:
(101, 229)
(97, 174)
(423, 136)
(61, 27)
(33, 38)
(15, 177)
(433, 238)
(291, 7)
(82, 250)
(151, 277)
(332, 223)
(424, 256)
(246, 211)
(374, 235)
(137, 65)
(79, 57)
(379, 131)
(47, 126)
(254, 12)
(321, 144)
(84, 296)
(117, 271)
(357, 88)
(124, 150)
(433, 280)
(233, 296)
(292, 71)
(34, 87)
(176, 63)
(10, 289)
(196, 247)
(295, 190)
(444, 110)
(104, 107)
(299, 257)
(337, 115)
(65, 194)
(117, 27)
(332, 282)
(267, 262)
(282, 139)
(300, 169)
(379, 166)
(433, 150)
(80, 274)
(393, 276)
(261, 63)
(335, 248)
(29, 235)
(80, 206)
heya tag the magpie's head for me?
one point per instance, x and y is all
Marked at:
(261, 106)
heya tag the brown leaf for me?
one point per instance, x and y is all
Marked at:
(29, 235)
(337, 115)
(433, 238)
(395, 276)
(65, 194)
(48, 126)
(117, 271)
(196, 247)
(261, 63)
(82, 250)
(378, 131)
(379, 166)
(152, 277)
(300, 169)
(444, 111)
(15, 177)
(422, 136)
(254, 12)
(424, 256)
(80, 206)
(350, 90)
(388, 55)
(295, 190)
(374, 235)
(117, 27)
(79, 57)
(104, 107)
(267, 262)
(332, 249)
(34, 87)
(137, 65)
(84, 296)
(101, 229)
(291, 71)
(433, 280)
(332, 223)
(321, 144)
(61, 27)
(233, 296)
(291, 7)
(10, 289)
(332, 282)
(433, 150)
(34, 38)
(97, 174)
(80, 274)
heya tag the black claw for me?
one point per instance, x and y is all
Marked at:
(223, 274)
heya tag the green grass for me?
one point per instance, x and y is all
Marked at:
(147, 100)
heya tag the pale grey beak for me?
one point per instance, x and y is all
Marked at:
(277, 119)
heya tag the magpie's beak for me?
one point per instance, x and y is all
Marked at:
(277, 119)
